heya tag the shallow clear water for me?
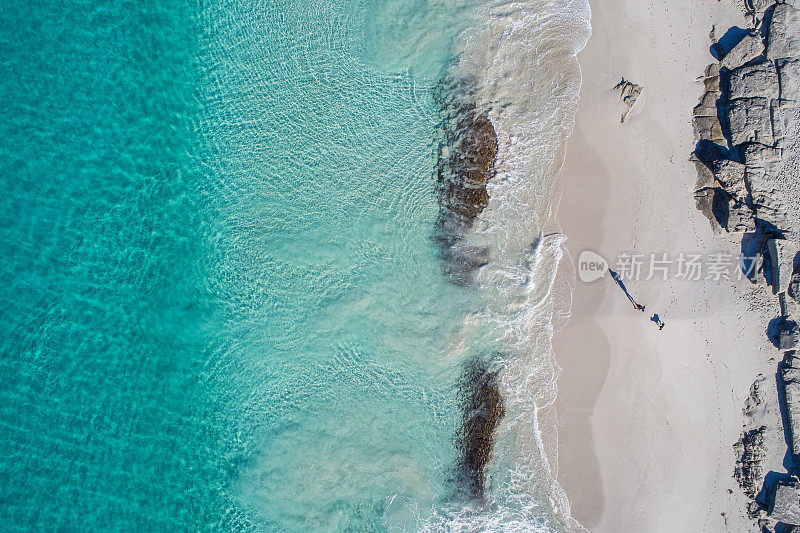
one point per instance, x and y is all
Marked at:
(222, 305)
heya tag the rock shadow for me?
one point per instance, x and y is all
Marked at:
(726, 43)
(783, 332)
(767, 492)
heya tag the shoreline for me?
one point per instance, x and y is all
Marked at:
(633, 399)
(514, 229)
(581, 378)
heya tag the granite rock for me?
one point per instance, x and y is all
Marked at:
(786, 502)
(781, 252)
(764, 164)
(708, 105)
(750, 121)
(789, 71)
(758, 156)
(759, 80)
(784, 122)
(731, 176)
(724, 211)
(628, 92)
(745, 50)
(784, 33)
(789, 370)
(787, 333)
(794, 287)
(705, 115)
(709, 128)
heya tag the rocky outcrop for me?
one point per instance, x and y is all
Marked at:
(785, 505)
(781, 261)
(786, 334)
(628, 93)
(783, 39)
(790, 382)
(747, 126)
(750, 454)
(747, 116)
(746, 50)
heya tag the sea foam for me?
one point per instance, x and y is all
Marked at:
(523, 55)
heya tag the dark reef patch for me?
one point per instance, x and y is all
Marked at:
(466, 157)
(482, 409)
(466, 162)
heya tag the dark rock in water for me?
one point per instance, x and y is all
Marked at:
(469, 166)
(785, 505)
(465, 165)
(466, 155)
(783, 333)
(482, 410)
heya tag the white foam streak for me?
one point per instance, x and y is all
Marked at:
(524, 53)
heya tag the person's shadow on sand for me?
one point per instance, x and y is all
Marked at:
(625, 290)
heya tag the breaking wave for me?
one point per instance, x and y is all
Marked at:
(519, 60)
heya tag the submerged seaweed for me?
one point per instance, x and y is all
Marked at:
(465, 165)
(466, 160)
(482, 410)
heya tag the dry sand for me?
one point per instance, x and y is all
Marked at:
(647, 418)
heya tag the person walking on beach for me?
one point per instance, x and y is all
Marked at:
(657, 319)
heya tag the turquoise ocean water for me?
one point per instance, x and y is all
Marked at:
(222, 308)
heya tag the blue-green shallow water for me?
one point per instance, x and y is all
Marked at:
(221, 305)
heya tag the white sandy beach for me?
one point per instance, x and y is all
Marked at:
(647, 417)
